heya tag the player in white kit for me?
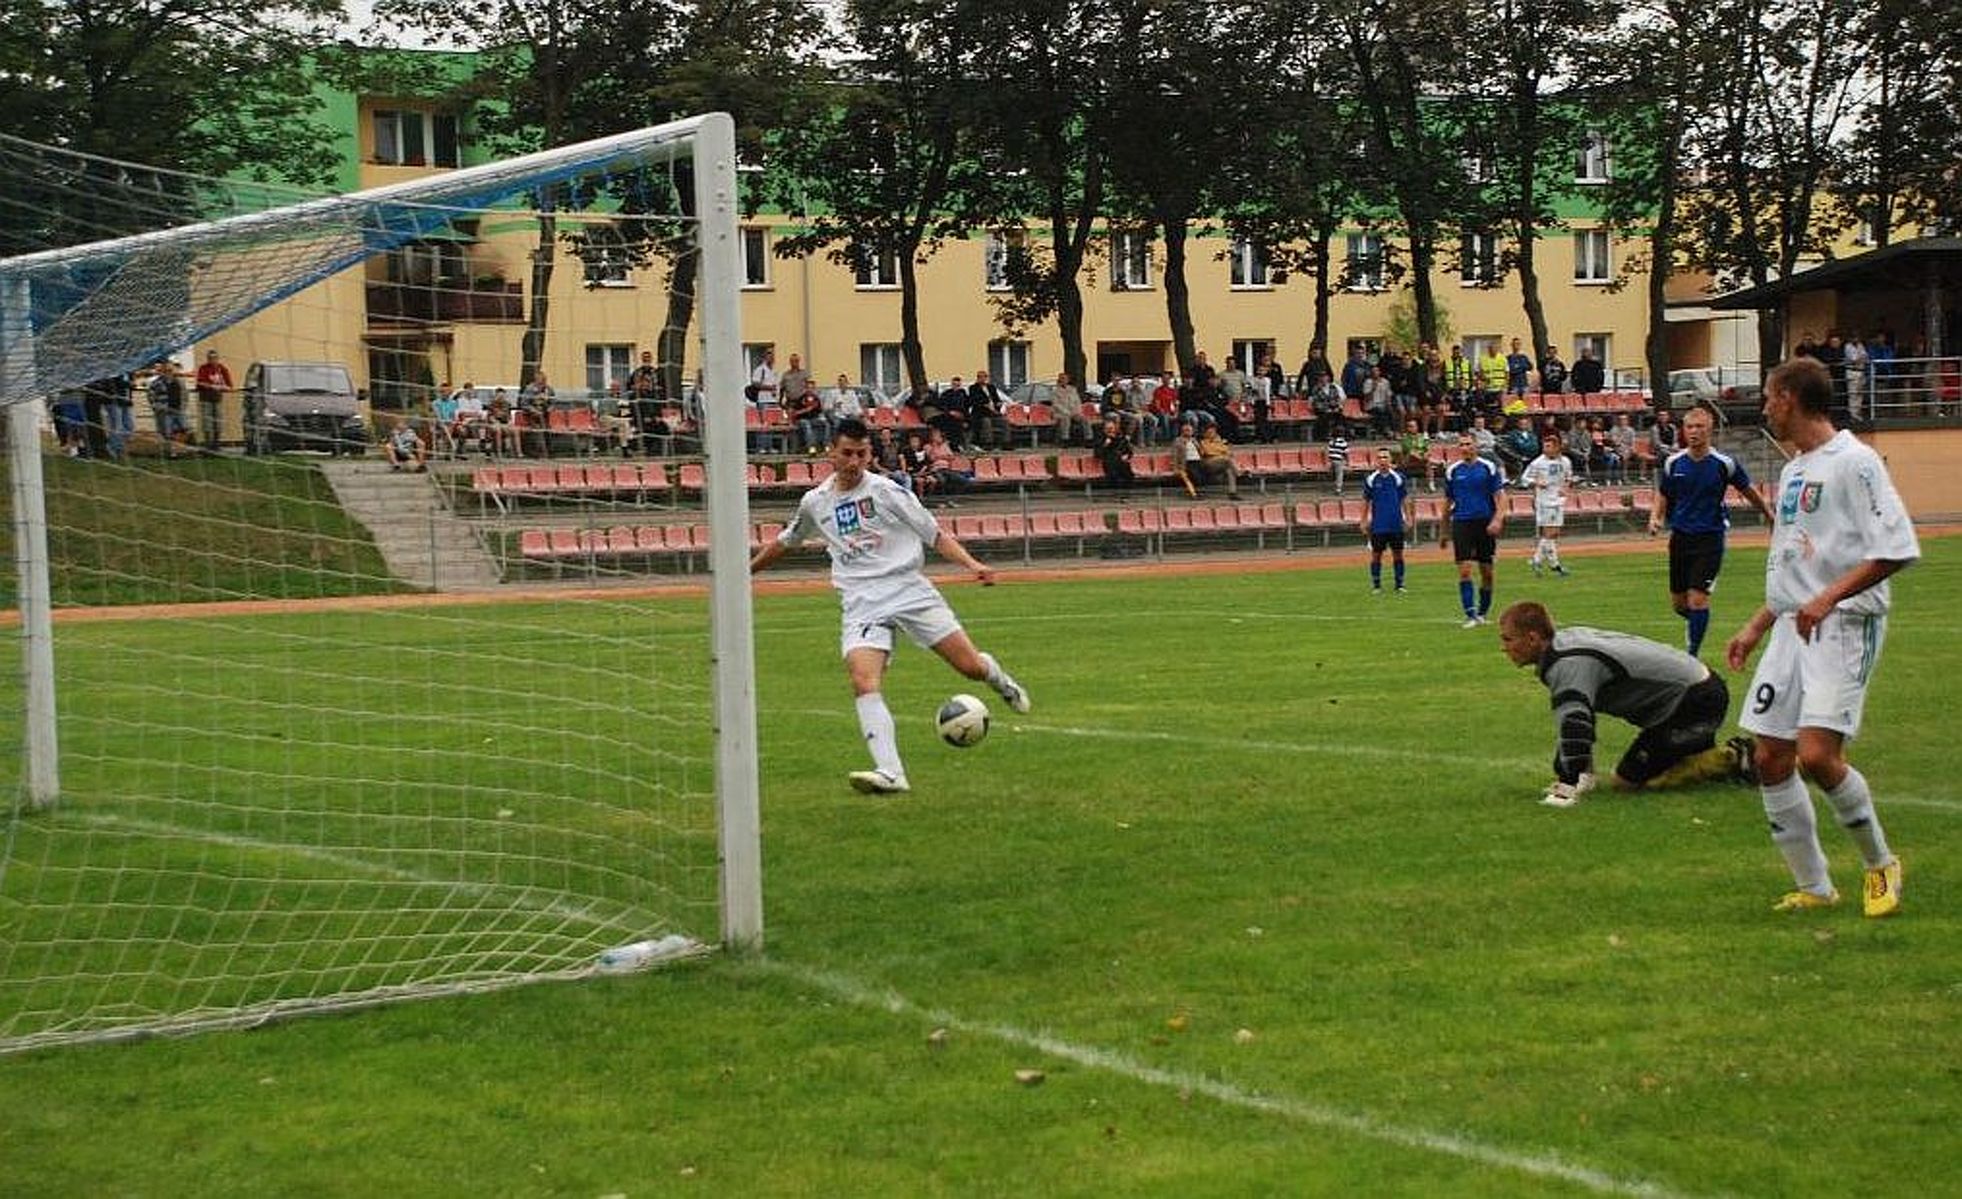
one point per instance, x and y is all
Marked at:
(877, 533)
(1841, 532)
(1549, 476)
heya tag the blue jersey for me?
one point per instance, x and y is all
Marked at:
(1386, 491)
(1473, 488)
(1695, 490)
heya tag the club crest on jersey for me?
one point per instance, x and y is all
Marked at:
(1809, 497)
(852, 514)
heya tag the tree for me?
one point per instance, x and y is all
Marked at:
(885, 166)
(208, 87)
(1902, 155)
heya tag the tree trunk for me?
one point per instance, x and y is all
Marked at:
(1178, 294)
(1069, 322)
(909, 313)
(1324, 289)
(544, 257)
(1423, 297)
(671, 347)
(1529, 288)
(1662, 264)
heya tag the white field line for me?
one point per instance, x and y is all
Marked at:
(1382, 753)
(350, 864)
(1300, 1111)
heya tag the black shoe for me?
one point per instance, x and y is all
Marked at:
(1745, 765)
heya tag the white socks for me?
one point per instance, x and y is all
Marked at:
(1795, 831)
(995, 676)
(1547, 550)
(1854, 804)
(875, 721)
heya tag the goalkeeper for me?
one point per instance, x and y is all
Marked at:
(1674, 699)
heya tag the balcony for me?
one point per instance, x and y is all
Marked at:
(458, 301)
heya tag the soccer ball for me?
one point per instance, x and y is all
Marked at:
(962, 721)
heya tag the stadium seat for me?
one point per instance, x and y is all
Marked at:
(564, 543)
(1178, 520)
(1314, 461)
(533, 543)
(1226, 516)
(648, 539)
(1154, 467)
(995, 528)
(1519, 503)
(624, 479)
(797, 473)
(987, 470)
(694, 477)
(1354, 512)
(1043, 526)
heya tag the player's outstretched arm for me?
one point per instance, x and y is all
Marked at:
(1658, 511)
(949, 547)
(1757, 501)
(770, 552)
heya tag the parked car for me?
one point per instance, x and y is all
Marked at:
(303, 406)
(1737, 396)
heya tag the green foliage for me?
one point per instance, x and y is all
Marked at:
(1314, 821)
(1400, 323)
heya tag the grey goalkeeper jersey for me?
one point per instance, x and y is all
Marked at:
(1594, 670)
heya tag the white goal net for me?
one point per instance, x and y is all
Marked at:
(343, 676)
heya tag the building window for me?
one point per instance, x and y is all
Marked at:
(1000, 246)
(1593, 165)
(425, 264)
(1365, 269)
(756, 256)
(1478, 345)
(1249, 351)
(876, 268)
(1478, 259)
(1591, 256)
(1603, 346)
(1478, 166)
(408, 138)
(1863, 233)
(1130, 261)
(1008, 363)
(607, 364)
(1250, 264)
(879, 367)
(607, 266)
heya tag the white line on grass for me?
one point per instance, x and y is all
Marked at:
(1302, 1111)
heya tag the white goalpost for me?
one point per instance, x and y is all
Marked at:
(301, 732)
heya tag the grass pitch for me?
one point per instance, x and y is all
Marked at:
(1260, 887)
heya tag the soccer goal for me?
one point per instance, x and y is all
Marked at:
(361, 658)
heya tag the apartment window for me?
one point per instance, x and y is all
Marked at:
(1250, 264)
(1008, 363)
(607, 266)
(876, 268)
(1249, 351)
(1478, 167)
(1478, 345)
(1602, 344)
(1593, 165)
(404, 137)
(606, 364)
(1130, 261)
(1365, 269)
(424, 264)
(879, 367)
(1478, 259)
(996, 254)
(1591, 256)
(756, 256)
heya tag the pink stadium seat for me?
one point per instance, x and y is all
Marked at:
(698, 537)
(797, 473)
(592, 543)
(649, 540)
(620, 541)
(1642, 499)
(1273, 516)
(624, 478)
(967, 527)
(882, 417)
(1249, 516)
(769, 531)
(1226, 516)
(1043, 525)
(533, 543)
(693, 476)
(1353, 512)
(993, 528)
(987, 470)
(486, 480)
(1519, 503)
(1314, 460)
(1152, 466)
(564, 543)
(1307, 515)
(1178, 520)
(654, 476)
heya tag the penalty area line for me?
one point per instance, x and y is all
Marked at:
(1299, 1111)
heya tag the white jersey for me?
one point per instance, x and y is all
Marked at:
(1555, 473)
(1836, 509)
(877, 533)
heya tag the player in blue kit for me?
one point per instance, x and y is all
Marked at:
(1390, 517)
(1689, 497)
(1471, 500)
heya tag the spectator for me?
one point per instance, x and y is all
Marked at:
(923, 404)
(167, 407)
(1216, 462)
(1553, 373)
(1325, 399)
(70, 414)
(1073, 424)
(1427, 389)
(500, 427)
(1414, 453)
(1621, 439)
(986, 413)
(1268, 382)
(120, 409)
(645, 393)
(1397, 371)
(1185, 458)
(1603, 463)
(1855, 366)
(1519, 370)
(917, 464)
(805, 408)
(888, 458)
(1483, 437)
(1163, 410)
(1589, 375)
(1315, 366)
(1519, 446)
(1338, 453)
(951, 475)
(1492, 371)
(1119, 402)
(1355, 373)
(952, 421)
(403, 448)
(1379, 401)
(1114, 453)
(1460, 377)
(763, 381)
(466, 417)
(213, 380)
(1666, 435)
(843, 402)
(617, 415)
(535, 401)
(95, 422)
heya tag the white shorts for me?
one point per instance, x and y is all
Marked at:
(1549, 516)
(1816, 684)
(914, 608)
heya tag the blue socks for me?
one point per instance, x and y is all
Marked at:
(1399, 574)
(1465, 596)
(1699, 624)
(1484, 600)
(1376, 574)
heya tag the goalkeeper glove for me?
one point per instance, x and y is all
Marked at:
(1566, 795)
